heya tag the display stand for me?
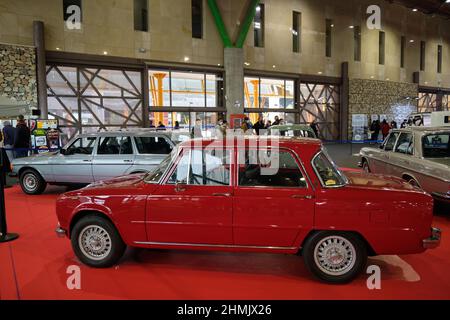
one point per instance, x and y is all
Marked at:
(4, 167)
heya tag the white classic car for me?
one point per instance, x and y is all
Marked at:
(420, 155)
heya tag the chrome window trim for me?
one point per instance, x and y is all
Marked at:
(346, 181)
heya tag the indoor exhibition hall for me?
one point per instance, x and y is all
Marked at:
(224, 150)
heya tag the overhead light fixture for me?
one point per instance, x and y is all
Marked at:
(332, 25)
(258, 9)
(247, 63)
(186, 59)
(274, 66)
(372, 77)
(411, 41)
(57, 48)
(351, 27)
(414, 10)
(105, 52)
(387, 79)
(320, 72)
(218, 64)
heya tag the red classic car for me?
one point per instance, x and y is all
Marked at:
(212, 196)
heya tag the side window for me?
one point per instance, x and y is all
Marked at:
(82, 146)
(288, 174)
(390, 142)
(405, 144)
(208, 167)
(115, 146)
(152, 145)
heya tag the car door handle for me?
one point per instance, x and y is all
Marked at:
(221, 194)
(87, 160)
(127, 160)
(302, 196)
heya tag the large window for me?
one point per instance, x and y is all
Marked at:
(422, 55)
(320, 103)
(141, 15)
(275, 98)
(197, 18)
(402, 51)
(381, 47)
(89, 99)
(328, 37)
(268, 93)
(357, 43)
(439, 59)
(296, 31)
(258, 26)
(184, 89)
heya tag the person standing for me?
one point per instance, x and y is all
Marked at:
(177, 126)
(385, 128)
(375, 130)
(315, 128)
(196, 131)
(22, 138)
(259, 125)
(277, 121)
(161, 126)
(394, 124)
(404, 124)
(8, 139)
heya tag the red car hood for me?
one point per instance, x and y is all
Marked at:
(378, 181)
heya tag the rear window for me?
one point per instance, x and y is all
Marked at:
(436, 145)
(152, 145)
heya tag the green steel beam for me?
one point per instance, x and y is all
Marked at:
(219, 24)
(247, 23)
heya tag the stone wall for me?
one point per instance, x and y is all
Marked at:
(373, 97)
(18, 73)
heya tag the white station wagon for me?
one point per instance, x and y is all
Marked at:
(93, 157)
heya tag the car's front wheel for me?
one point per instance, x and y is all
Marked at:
(334, 257)
(31, 182)
(96, 242)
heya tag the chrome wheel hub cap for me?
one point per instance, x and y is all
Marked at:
(94, 242)
(30, 182)
(335, 255)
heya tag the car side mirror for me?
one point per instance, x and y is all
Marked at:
(180, 186)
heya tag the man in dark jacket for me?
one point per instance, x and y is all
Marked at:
(22, 138)
(8, 139)
(259, 125)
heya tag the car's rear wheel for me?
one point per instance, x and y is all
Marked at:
(334, 257)
(96, 242)
(31, 182)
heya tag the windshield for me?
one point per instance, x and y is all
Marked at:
(155, 175)
(436, 145)
(327, 170)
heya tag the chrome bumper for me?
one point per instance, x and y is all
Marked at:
(434, 241)
(441, 196)
(60, 232)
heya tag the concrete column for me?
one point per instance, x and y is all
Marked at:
(39, 43)
(234, 80)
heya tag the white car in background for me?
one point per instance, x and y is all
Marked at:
(94, 157)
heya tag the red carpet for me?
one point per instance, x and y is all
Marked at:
(34, 267)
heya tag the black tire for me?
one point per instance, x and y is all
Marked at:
(365, 166)
(112, 244)
(32, 182)
(352, 262)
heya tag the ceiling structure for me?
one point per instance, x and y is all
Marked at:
(432, 7)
